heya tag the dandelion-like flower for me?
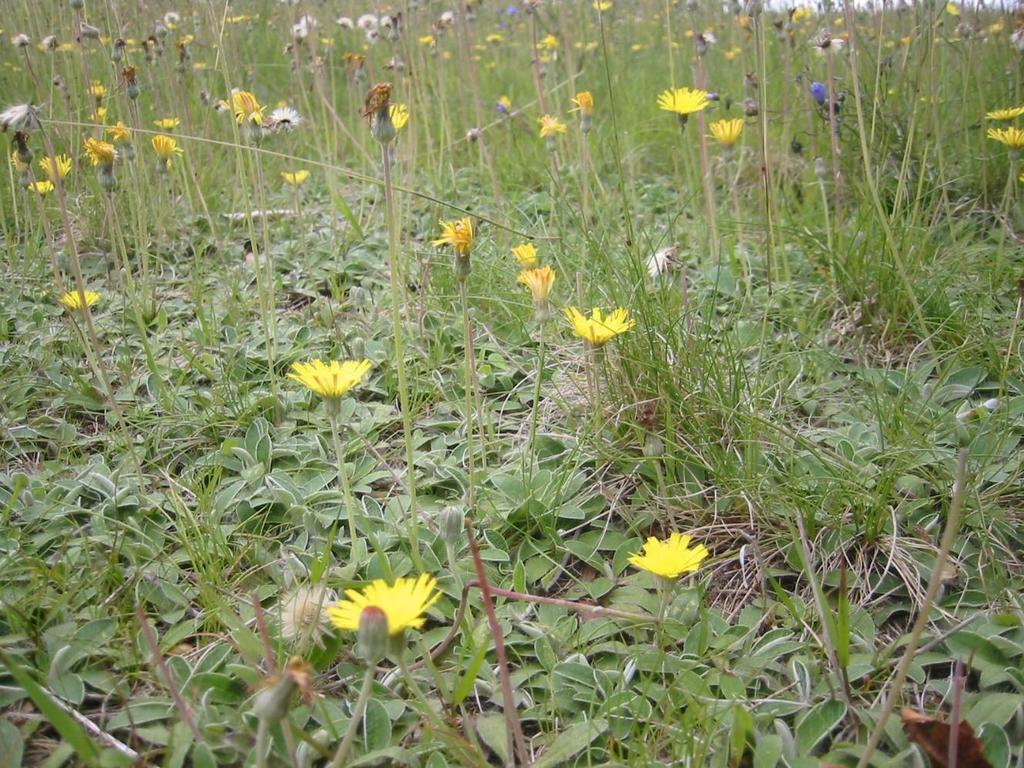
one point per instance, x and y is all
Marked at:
(55, 167)
(330, 380)
(727, 132)
(551, 126)
(120, 133)
(526, 255)
(539, 281)
(42, 187)
(403, 602)
(283, 119)
(21, 118)
(399, 116)
(246, 108)
(683, 101)
(74, 300)
(458, 234)
(377, 109)
(584, 102)
(1004, 115)
(599, 329)
(166, 148)
(295, 178)
(100, 152)
(1012, 137)
(167, 123)
(670, 558)
(504, 105)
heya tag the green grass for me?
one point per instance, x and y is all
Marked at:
(796, 393)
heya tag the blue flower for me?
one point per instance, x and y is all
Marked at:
(511, 10)
(819, 92)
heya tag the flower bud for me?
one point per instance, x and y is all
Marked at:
(452, 521)
(77, 5)
(819, 168)
(462, 266)
(372, 637)
(272, 702)
(105, 176)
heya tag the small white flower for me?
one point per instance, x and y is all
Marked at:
(345, 22)
(21, 41)
(372, 36)
(447, 19)
(304, 615)
(283, 119)
(367, 22)
(172, 19)
(49, 43)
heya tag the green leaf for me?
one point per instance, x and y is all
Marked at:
(64, 724)
(376, 726)
(768, 752)
(491, 729)
(995, 708)
(571, 742)
(996, 744)
(817, 724)
(12, 745)
(465, 686)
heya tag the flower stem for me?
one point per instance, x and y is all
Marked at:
(535, 406)
(346, 487)
(357, 718)
(394, 267)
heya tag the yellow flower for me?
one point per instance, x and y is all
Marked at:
(599, 329)
(458, 234)
(99, 151)
(952, 10)
(800, 13)
(427, 40)
(404, 603)
(551, 127)
(399, 116)
(494, 39)
(539, 281)
(76, 300)
(602, 5)
(42, 188)
(1005, 114)
(246, 108)
(59, 168)
(99, 115)
(526, 255)
(97, 90)
(727, 132)
(683, 101)
(550, 42)
(584, 102)
(330, 380)
(295, 178)
(167, 123)
(16, 161)
(1011, 137)
(166, 147)
(670, 558)
(120, 133)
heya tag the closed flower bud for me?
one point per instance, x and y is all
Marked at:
(452, 521)
(105, 176)
(272, 702)
(372, 638)
(77, 5)
(653, 447)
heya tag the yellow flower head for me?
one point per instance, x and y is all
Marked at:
(295, 178)
(727, 132)
(801, 13)
(550, 42)
(55, 168)
(99, 151)
(1011, 137)
(671, 558)
(683, 101)
(539, 281)
(399, 116)
(458, 234)
(17, 162)
(505, 105)
(584, 102)
(330, 380)
(526, 255)
(1005, 114)
(42, 187)
(97, 90)
(551, 126)
(167, 123)
(246, 108)
(602, 5)
(599, 329)
(952, 10)
(75, 300)
(120, 133)
(404, 603)
(99, 115)
(166, 147)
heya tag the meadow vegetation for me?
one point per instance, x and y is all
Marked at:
(535, 382)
